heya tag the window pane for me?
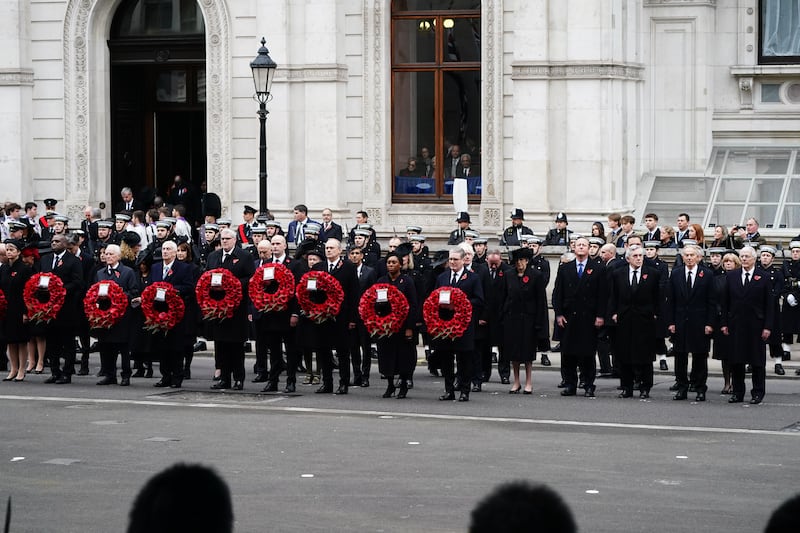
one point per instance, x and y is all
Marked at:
(462, 39)
(791, 216)
(413, 112)
(765, 214)
(679, 189)
(201, 85)
(767, 190)
(770, 92)
(171, 86)
(747, 162)
(433, 5)
(462, 112)
(733, 189)
(727, 215)
(158, 17)
(719, 160)
(414, 41)
(780, 32)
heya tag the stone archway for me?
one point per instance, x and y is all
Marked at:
(87, 149)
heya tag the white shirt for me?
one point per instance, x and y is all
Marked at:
(638, 271)
(693, 272)
(747, 272)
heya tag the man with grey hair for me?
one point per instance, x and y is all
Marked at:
(127, 201)
(747, 316)
(690, 314)
(634, 305)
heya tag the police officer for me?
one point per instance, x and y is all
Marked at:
(512, 235)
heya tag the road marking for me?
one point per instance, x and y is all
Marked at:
(421, 416)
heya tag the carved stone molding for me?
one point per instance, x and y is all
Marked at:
(680, 3)
(82, 95)
(746, 93)
(311, 73)
(583, 71)
(14, 77)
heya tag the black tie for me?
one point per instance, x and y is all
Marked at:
(634, 281)
(494, 273)
(746, 278)
(454, 280)
(225, 256)
(331, 266)
(689, 281)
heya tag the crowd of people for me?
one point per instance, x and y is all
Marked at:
(615, 310)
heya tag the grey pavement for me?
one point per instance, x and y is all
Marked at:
(74, 456)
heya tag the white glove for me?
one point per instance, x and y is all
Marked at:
(792, 300)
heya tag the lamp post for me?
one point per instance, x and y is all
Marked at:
(263, 68)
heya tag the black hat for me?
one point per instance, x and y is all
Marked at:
(50, 202)
(517, 213)
(463, 216)
(16, 225)
(441, 257)
(248, 209)
(131, 238)
(561, 217)
(400, 251)
(19, 244)
(521, 253)
(145, 256)
(309, 246)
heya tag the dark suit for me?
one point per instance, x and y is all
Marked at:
(746, 311)
(492, 315)
(332, 232)
(335, 333)
(117, 339)
(291, 232)
(169, 347)
(636, 311)
(119, 207)
(61, 331)
(581, 300)
(230, 334)
(457, 236)
(656, 235)
(360, 345)
(690, 311)
(461, 349)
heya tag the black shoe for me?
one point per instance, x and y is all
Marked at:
(562, 385)
(701, 397)
(357, 382)
(735, 399)
(779, 369)
(65, 379)
(433, 372)
(290, 388)
(390, 388)
(626, 393)
(546, 360)
(238, 385)
(107, 380)
(680, 395)
(568, 391)
(161, 383)
(645, 394)
(177, 383)
(341, 390)
(476, 388)
(581, 384)
(272, 386)
(589, 391)
(84, 370)
(138, 374)
(125, 382)
(505, 381)
(260, 378)
(556, 348)
(663, 365)
(365, 382)
(199, 346)
(148, 373)
(692, 387)
(403, 391)
(675, 387)
(187, 373)
(464, 397)
(324, 389)
(447, 396)
(787, 356)
(410, 384)
(51, 379)
(756, 400)
(526, 391)
(221, 385)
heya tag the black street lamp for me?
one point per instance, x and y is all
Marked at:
(263, 68)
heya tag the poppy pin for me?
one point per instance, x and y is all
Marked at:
(756, 277)
(700, 274)
(116, 273)
(463, 276)
(525, 279)
(235, 261)
(60, 262)
(644, 276)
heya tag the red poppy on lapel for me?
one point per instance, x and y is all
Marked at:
(525, 279)
(756, 277)
(169, 272)
(235, 261)
(463, 276)
(116, 273)
(589, 272)
(500, 273)
(60, 262)
(700, 274)
(13, 274)
(644, 276)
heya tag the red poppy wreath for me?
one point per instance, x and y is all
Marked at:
(320, 296)
(218, 302)
(162, 307)
(459, 312)
(271, 288)
(44, 299)
(385, 318)
(104, 304)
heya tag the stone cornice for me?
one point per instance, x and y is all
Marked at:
(312, 72)
(565, 71)
(680, 3)
(15, 76)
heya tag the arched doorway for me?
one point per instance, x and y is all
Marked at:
(158, 96)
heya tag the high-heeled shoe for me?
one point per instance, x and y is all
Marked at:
(19, 380)
(389, 390)
(403, 390)
(29, 370)
(10, 377)
(515, 391)
(38, 371)
(526, 391)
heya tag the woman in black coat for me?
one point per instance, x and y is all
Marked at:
(13, 276)
(192, 312)
(397, 353)
(723, 344)
(524, 316)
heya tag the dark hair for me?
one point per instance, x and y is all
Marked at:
(11, 206)
(520, 506)
(302, 208)
(186, 247)
(201, 496)
(786, 517)
(29, 205)
(651, 215)
(628, 219)
(153, 214)
(180, 208)
(685, 215)
(602, 229)
(362, 213)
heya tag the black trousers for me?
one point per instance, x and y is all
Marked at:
(758, 377)
(170, 356)
(484, 369)
(275, 343)
(699, 370)
(230, 357)
(108, 359)
(338, 338)
(262, 348)
(61, 344)
(569, 369)
(644, 371)
(447, 358)
(360, 351)
(604, 355)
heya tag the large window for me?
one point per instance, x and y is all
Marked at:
(436, 122)
(780, 31)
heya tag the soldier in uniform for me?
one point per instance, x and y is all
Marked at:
(715, 254)
(790, 324)
(457, 235)
(361, 240)
(775, 275)
(105, 229)
(512, 235)
(257, 234)
(244, 232)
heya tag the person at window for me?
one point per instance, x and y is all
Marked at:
(467, 168)
(559, 236)
(411, 169)
(452, 163)
(457, 235)
(426, 161)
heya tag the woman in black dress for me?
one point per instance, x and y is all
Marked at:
(192, 312)
(397, 353)
(723, 344)
(13, 275)
(524, 316)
